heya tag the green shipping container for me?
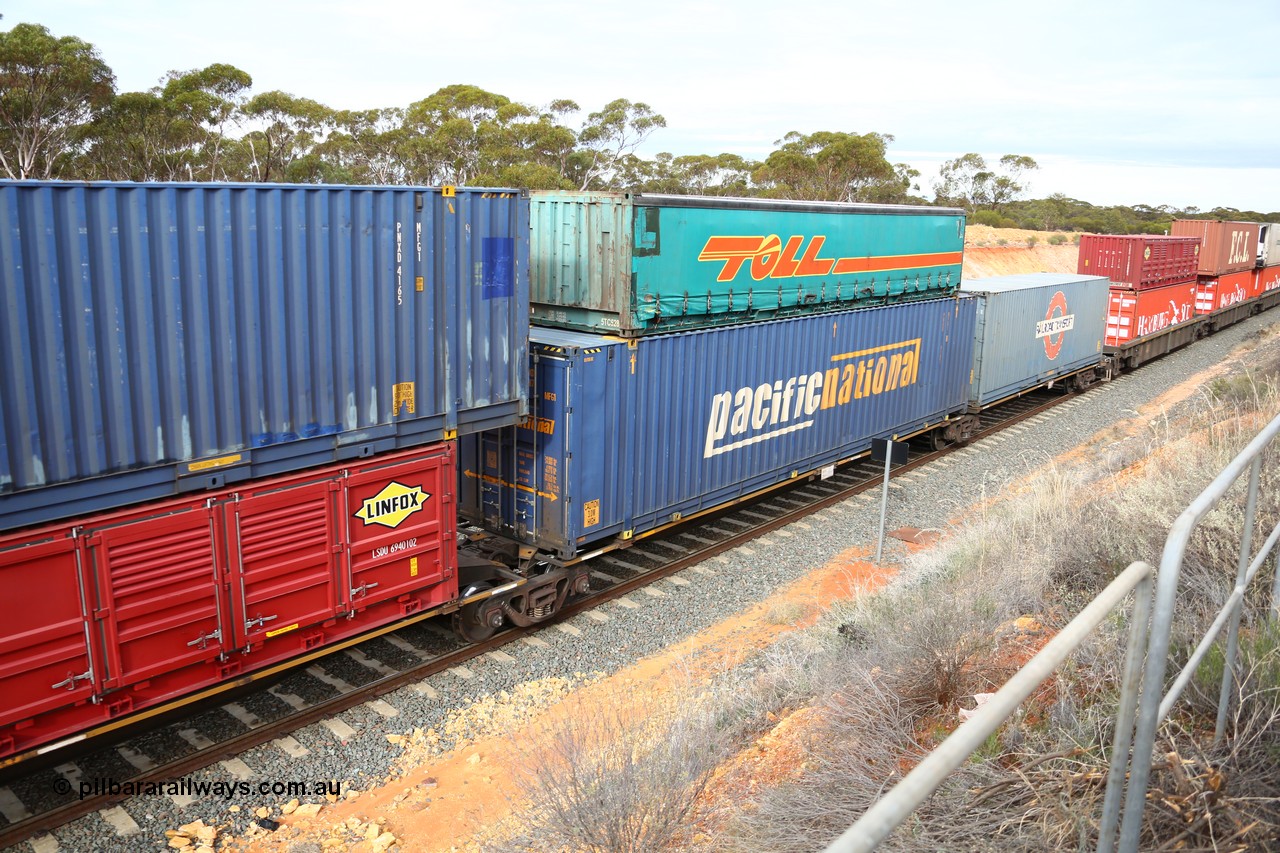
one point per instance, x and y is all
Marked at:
(635, 264)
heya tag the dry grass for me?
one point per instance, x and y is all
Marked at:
(624, 780)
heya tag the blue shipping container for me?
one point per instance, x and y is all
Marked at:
(630, 435)
(1033, 328)
(643, 264)
(159, 338)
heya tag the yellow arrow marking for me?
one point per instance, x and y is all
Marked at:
(497, 481)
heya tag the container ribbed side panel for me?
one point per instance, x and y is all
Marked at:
(175, 336)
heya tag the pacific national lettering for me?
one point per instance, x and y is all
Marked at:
(784, 406)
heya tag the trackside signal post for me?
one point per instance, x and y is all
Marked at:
(891, 452)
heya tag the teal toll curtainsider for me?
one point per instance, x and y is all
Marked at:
(635, 264)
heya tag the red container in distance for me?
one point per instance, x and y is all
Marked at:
(1266, 279)
(1224, 246)
(1139, 260)
(1213, 294)
(1134, 314)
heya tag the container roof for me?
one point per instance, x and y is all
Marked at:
(1026, 281)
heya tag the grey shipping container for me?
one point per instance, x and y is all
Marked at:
(1032, 328)
(160, 338)
(1268, 244)
(628, 436)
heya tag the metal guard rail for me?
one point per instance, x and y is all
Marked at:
(894, 807)
(1155, 705)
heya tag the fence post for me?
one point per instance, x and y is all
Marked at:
(1233, 632)
(1116, 775)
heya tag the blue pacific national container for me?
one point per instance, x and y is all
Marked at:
(634, 264)
(160, 338)
(627, 436)
(1032, 329)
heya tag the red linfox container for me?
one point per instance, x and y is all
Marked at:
(1266, 279)
(1134, 314)
(1215, 293)
(129, 610)
(1224, 246)
(1139, 260)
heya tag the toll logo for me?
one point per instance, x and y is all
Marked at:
(767, 256)
(1055, 325)
(391, 506)
(757, 413)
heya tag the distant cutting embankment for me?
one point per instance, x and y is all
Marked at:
(1007, 251)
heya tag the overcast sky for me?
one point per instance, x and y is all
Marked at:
(1120, 101)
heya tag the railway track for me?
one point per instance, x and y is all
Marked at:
(362, 673)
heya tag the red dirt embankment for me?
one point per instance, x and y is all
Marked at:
(1005, 251)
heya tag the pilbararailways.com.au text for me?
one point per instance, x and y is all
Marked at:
(198, 788)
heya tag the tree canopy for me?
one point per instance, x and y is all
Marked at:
(50, 89)
(61, 117)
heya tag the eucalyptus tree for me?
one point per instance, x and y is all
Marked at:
(50, 90)
(689, 174)
(539, 149)
(828, 166)
(367, 146)
(176, 131)
(968, 181)
(213, 99)
(450, 133)
(608, 136)
(281, 145)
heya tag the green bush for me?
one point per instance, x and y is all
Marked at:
(1031, 241)
(1057, 239)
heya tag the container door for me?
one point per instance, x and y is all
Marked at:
(283, 561)
(44, 643)
(542, 457)
(495, 478)
(976, 386)
(399, 529)
(158, 595)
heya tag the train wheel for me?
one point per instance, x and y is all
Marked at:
(474, 624)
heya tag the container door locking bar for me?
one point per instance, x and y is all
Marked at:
(70, 681)
(203, 640)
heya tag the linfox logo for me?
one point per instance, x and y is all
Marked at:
(768, 257)
(787, 405)
(1054, 327)
(391, 506)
